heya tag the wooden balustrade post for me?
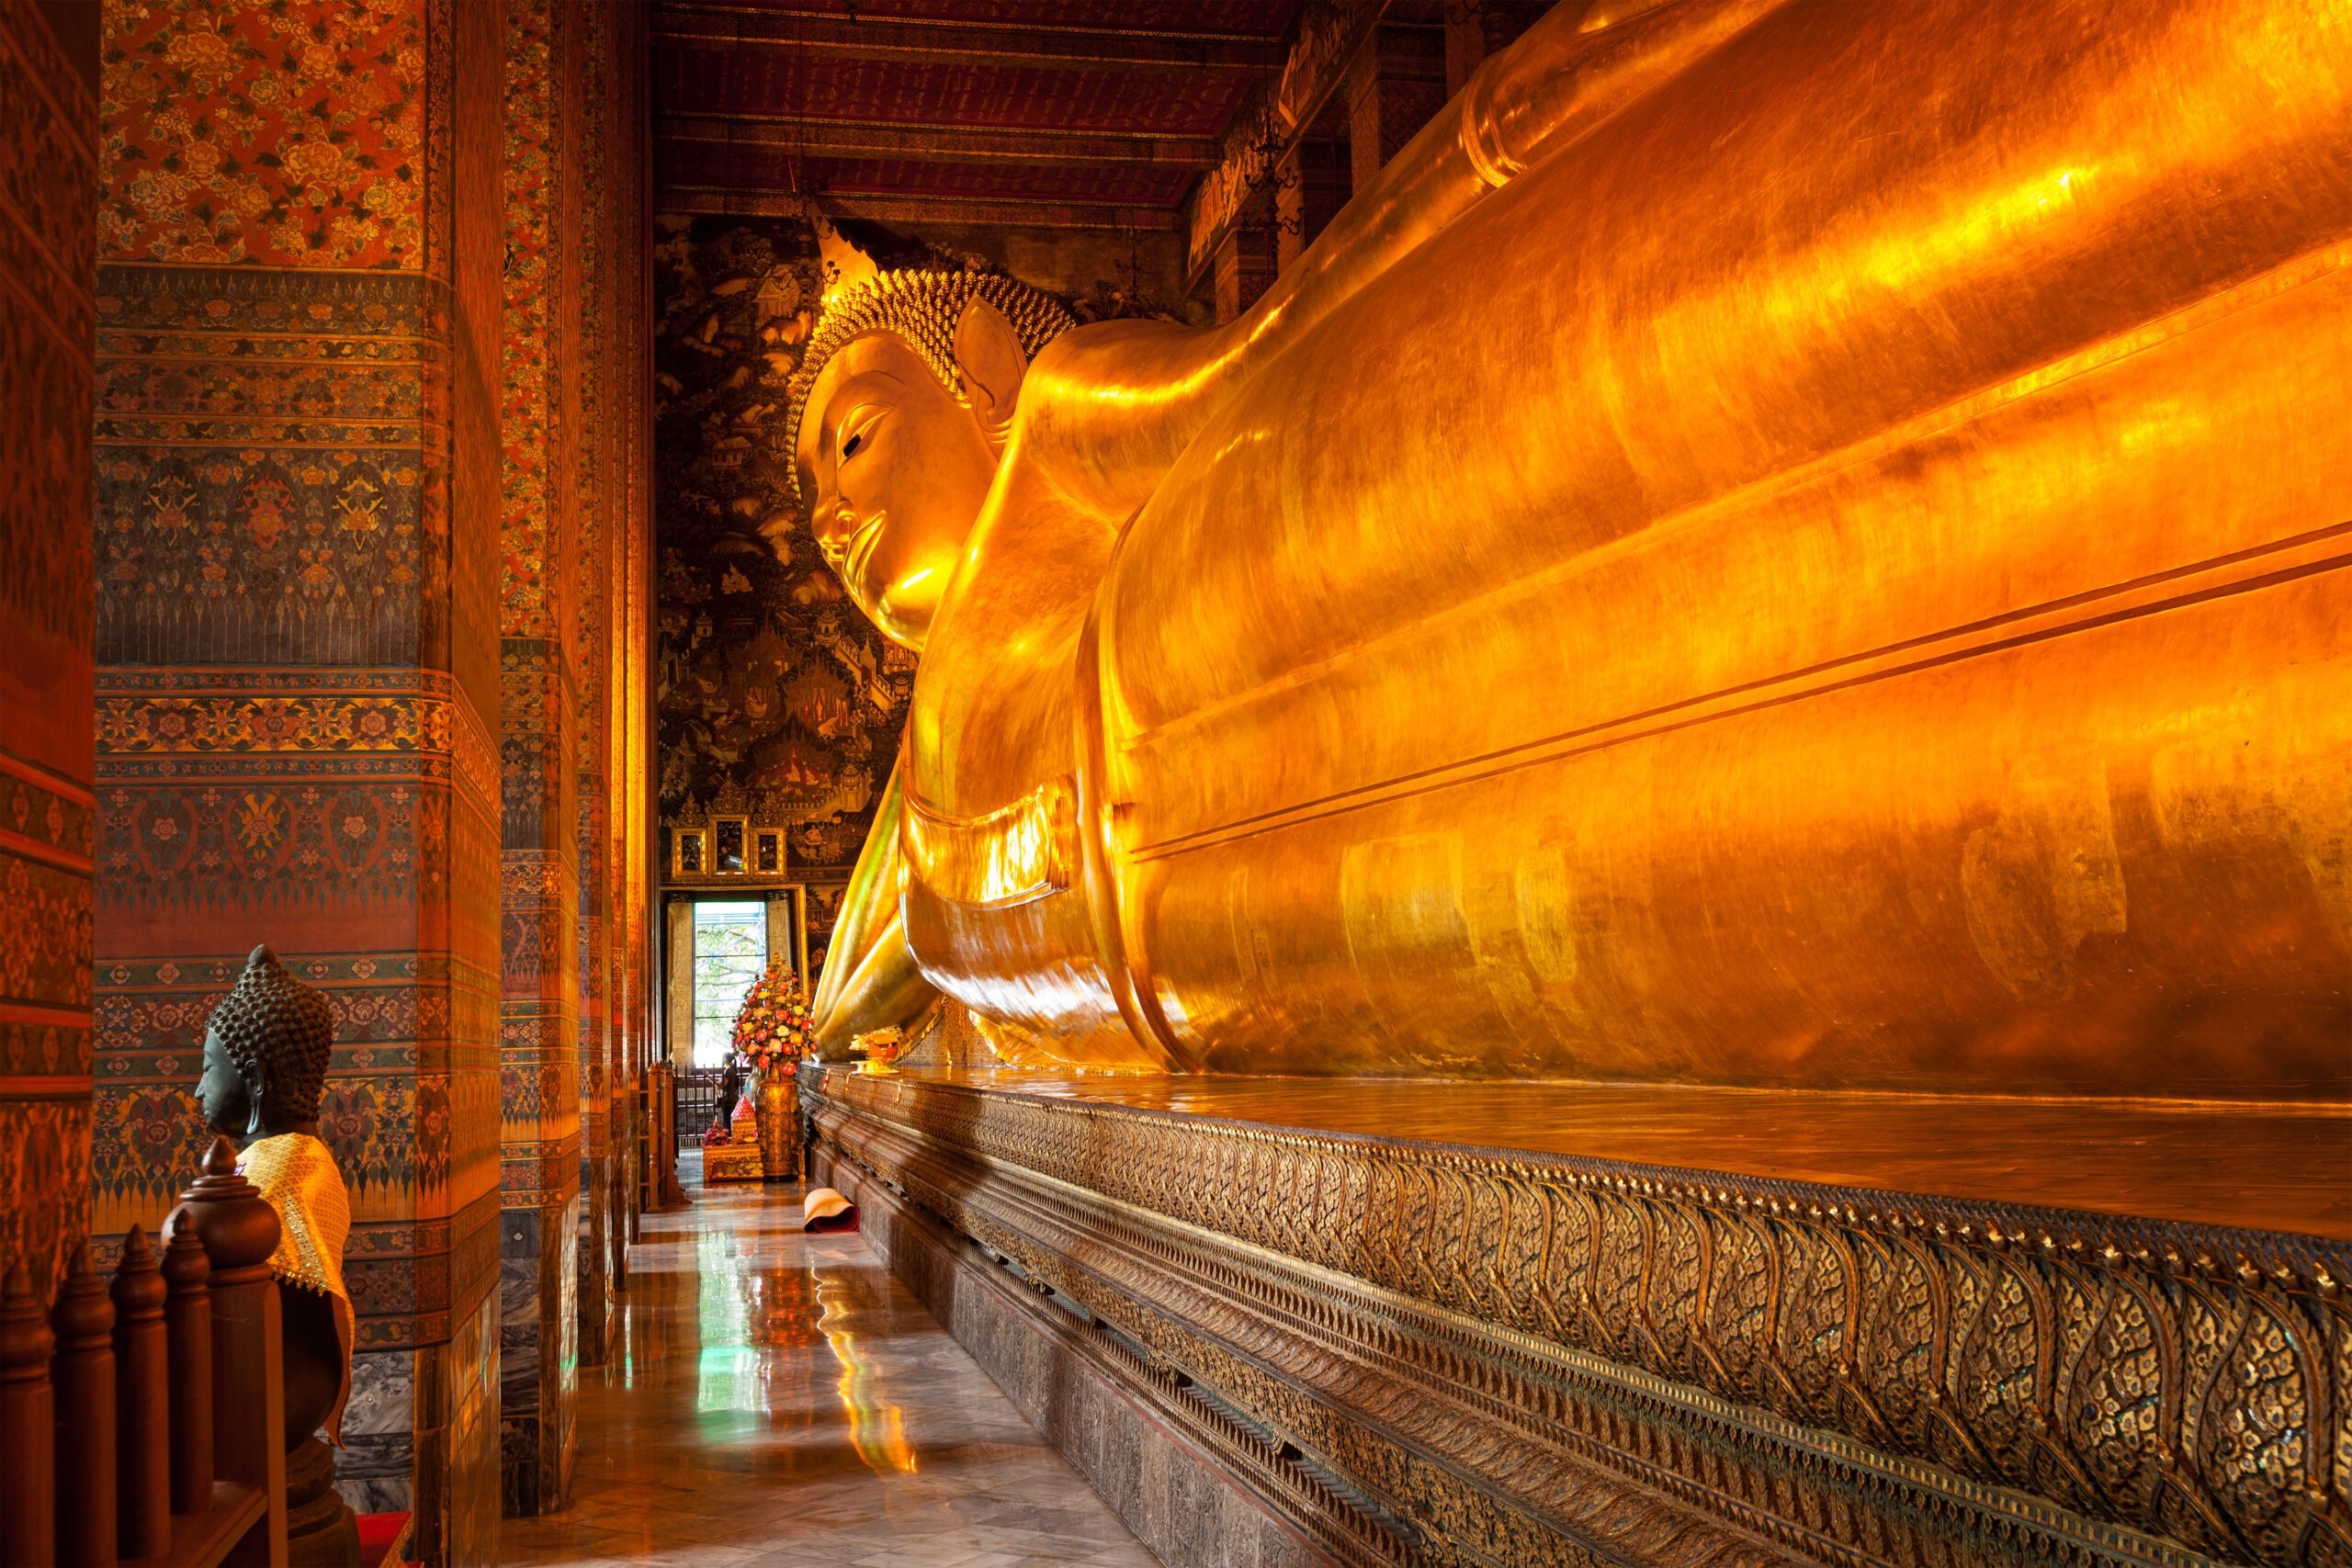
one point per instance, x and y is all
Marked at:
(143, 1404)
(83, 1376)
(240, 1230)
(28, 1427)
(187, 1333)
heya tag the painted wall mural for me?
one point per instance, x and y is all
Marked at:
(771, 682)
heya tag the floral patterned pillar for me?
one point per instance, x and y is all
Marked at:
(612, 257)
(297, 444)
(48, 158)
(542, 539)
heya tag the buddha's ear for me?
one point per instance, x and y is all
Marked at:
(989, 360)
(256, 1079)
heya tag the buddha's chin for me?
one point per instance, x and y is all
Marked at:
(902, 624)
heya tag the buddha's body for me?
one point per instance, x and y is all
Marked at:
(1830, 576)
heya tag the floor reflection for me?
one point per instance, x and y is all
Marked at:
(776, 1399)
(875, 1426)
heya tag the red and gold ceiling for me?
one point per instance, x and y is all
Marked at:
(1044, 112)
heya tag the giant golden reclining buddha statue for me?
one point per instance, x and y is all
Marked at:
(1775, 544)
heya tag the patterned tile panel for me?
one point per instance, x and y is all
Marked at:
(267, 444)
(48, 130)
(45, 1169)
(45, 830)
(290, 134)
(541, 172)
(48, 203)
(262, 793)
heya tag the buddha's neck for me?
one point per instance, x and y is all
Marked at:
(279, 1129)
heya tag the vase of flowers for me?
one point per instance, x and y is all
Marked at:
(775, 1033)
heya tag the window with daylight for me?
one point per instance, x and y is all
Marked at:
(730, 949)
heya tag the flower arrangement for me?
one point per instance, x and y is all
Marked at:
(775, 1029)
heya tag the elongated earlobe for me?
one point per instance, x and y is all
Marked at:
(257, 1098)
(990, 362)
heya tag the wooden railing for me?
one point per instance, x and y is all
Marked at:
(142, 1421)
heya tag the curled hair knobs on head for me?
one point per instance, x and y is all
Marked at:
(272, 1019)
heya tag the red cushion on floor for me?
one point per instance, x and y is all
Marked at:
(378, 1532)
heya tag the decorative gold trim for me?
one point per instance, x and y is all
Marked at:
(1487, 1341)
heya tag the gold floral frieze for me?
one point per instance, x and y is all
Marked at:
(2177, 1384)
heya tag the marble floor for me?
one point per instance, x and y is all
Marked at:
(782, 1400)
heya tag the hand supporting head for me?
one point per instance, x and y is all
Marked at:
(265, 1051)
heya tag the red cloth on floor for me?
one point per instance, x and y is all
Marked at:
(377, 1534)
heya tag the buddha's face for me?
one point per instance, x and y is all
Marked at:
(897, 468)
(226, 1098)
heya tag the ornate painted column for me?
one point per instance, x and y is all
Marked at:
(1396, 83)
(542, 538)
(297, 441)
(48, 159)
(571, 655)
(610, 479)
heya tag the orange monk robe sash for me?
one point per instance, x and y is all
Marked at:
(298, 1173)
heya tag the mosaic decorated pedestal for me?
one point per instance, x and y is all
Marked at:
(1407, 1324)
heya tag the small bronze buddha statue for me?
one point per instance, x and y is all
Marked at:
(266, 1051)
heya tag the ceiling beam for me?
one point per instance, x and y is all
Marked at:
(721, 166)
(838, 138)
(969, 211)
(715, 29)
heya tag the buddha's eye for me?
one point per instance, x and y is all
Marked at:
(850, 446)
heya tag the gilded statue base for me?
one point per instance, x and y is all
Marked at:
(1396, 1348)
(778, 1101)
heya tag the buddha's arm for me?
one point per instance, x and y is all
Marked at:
(870, 981)
(885, 990)
(1107, 409)
(1103, 413)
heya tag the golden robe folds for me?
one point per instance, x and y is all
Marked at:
(1793, 545)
